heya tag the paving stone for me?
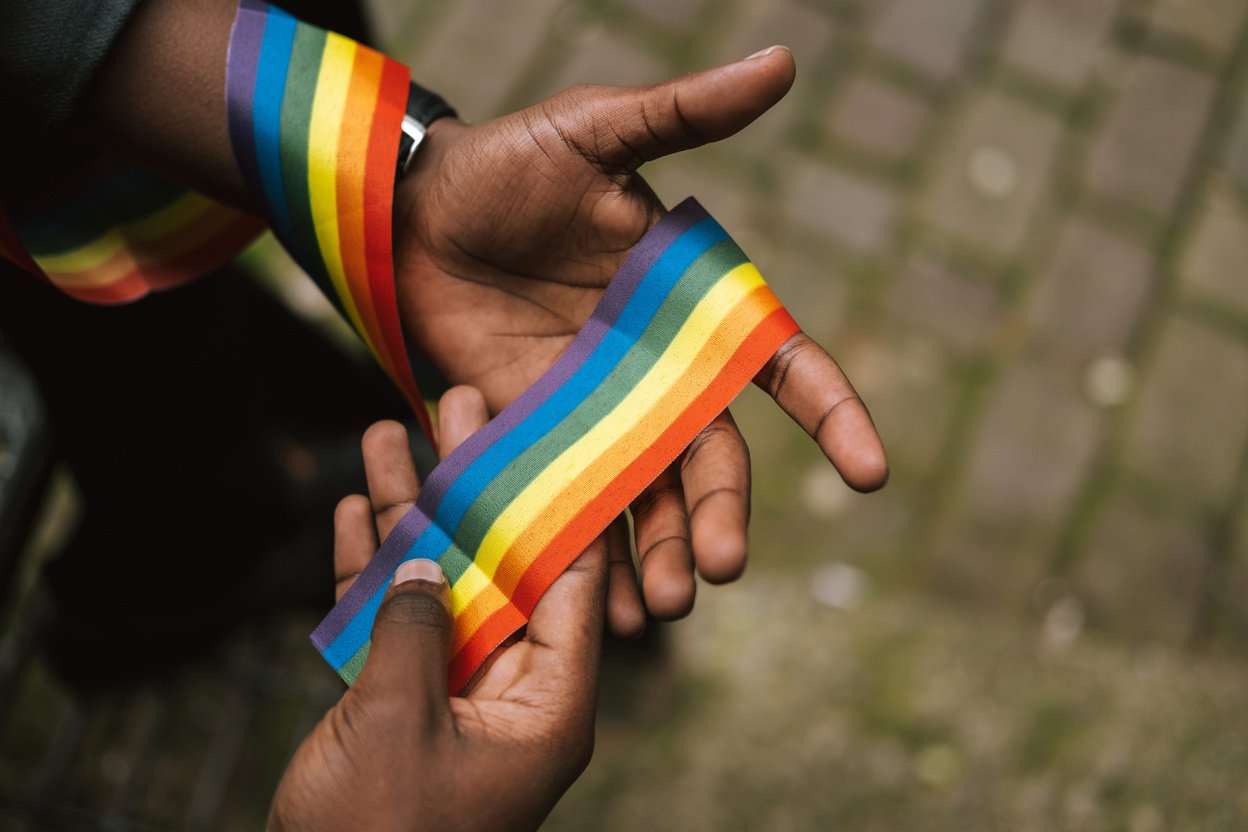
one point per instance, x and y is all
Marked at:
(811, 288)
(959, 309)
(479, 51)
(1141, 574)
(1058, 40)
(675, 177)
(1144, 149)
(1033, 450)
(842, 206)
(907, 381)
(878, 118)
(1214, 261)
(803, 29)
(987, 563)
(1213, 23)
(386, 18)
(802, 280)
(1188, 434)
(1233, 623)
(601, 57)
(995, 173)
(807, 32)
(932, 37)
(1236, 159)
(676, 14)
(1092, 292)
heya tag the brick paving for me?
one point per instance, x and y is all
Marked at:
(1022, 226)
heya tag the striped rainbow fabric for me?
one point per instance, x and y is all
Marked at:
(314, 122)
(123, 233)
(681, 329)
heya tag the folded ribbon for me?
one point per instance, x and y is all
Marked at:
(113, 232)
(314, 123)
(680, 330)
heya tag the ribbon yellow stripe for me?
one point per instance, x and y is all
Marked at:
(333, 83)
(148, 247)
(633, 408)
(469, 585)
(182, 212)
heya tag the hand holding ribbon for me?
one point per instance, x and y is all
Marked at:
(396, 752)
(508, 231)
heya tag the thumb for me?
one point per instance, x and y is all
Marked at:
(631, 125)
(411, 641)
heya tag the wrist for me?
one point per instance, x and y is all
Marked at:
(424, 108)
(417, 197)
(439, 137)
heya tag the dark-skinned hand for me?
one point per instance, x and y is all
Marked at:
(506, 234)
(396, 753)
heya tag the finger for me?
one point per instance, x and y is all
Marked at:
(411, 642)
(626, 618)
(567, 624)
(809, 386)
(355, 540)
(629, 126)
(661, 528)
(461, 413)
(715, 473)
(392, 483)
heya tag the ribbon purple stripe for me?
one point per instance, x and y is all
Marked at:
(416, 521)
(242, 64)
(410, 526)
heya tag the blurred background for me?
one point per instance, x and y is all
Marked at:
(1022, 228)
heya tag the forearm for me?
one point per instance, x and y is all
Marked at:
(159, 99)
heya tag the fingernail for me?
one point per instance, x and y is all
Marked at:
(760, 53)
(418, 569)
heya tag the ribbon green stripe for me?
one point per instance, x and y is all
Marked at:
(701, 276)
(106, 205)
(454, 563)
(351, 670)
(301, 82)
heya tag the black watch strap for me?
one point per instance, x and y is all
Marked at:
(423, 108)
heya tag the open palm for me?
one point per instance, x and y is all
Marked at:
(507, 234)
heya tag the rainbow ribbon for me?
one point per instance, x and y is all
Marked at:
(314, 122)
(681, 329)
(123, 233)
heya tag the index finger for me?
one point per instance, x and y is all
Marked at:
(809, 386)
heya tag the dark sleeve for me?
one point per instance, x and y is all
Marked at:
(51, 49)
(49, 52)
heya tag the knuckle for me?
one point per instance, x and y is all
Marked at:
(777, 370)
(669, 493)
(578, 98)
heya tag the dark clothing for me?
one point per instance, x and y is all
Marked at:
(209, 431)
(50, 50)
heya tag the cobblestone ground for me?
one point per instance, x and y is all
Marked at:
(1022, 226)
